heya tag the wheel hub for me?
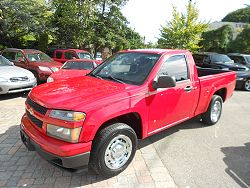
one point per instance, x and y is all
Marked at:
(215, 112)
(247, 85)
(118, 152)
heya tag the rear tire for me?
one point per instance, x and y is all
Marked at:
(213, 113)
(113, 149)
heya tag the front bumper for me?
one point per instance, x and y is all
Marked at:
(64, 154)
(76, 161)
(15, 87)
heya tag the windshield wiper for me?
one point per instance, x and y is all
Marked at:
(113, 78)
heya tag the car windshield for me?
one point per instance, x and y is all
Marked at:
(220, 58)
(78, 65)
(248, 59)
(4, 61)
(131, 67)
(38, 57)
(84, 55)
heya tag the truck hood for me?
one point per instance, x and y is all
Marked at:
(65, 74)
(78, 93)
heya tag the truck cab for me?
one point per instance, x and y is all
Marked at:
(63, 55)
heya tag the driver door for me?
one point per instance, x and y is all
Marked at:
(169, 106)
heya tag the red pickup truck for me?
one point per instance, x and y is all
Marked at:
(63, 55)
(97, 119)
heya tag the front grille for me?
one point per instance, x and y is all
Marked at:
(34, 120)
(17, 79)
(36, 107)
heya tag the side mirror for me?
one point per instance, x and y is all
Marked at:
(21, 60)
(164, 82)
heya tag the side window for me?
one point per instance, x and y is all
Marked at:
(58, 55)
(206, 59)
(19, 55)
(9, 55)
(175, 66)
(70, 55)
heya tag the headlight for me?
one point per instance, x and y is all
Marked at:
(50, 79)
(3, 79)
(66, 134)
(54, 69)
(247, 69)
(67, 115)
(46, 69)
(225, 68)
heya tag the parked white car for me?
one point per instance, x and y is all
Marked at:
(14, 79)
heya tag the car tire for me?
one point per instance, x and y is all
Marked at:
(246, 85)
(113, 149)
(213, 113)
(38, 81)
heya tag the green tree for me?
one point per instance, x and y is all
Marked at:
(184, 30)
(240, 15)
(22, 20)
(72, 22)
(217, 40)
(242, 42)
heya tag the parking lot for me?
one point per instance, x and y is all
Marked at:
(187, 155)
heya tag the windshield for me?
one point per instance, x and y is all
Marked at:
(220, 58)
(130, 68)
(78, 65)
(38, 57)
(248, 59)
(84, 55)
(4, 61)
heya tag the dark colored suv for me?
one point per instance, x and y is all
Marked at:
(40, 64)
(217, 61)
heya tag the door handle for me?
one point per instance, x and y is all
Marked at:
(188, 88)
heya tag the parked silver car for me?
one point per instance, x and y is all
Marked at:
(14, 79)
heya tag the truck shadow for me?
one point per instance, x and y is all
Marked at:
(193, 123)
(13, 95)
(237, 160)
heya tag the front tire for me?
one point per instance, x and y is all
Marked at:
(113, 149)
(213, 113)
(246, 85)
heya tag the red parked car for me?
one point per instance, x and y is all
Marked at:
(97, 119)
(63, 55)
(73, 68)
(40, 64)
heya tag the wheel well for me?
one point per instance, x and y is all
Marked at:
(132, 119)
(222, 93)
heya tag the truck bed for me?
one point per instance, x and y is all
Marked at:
(207, 71)
(212, 80)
